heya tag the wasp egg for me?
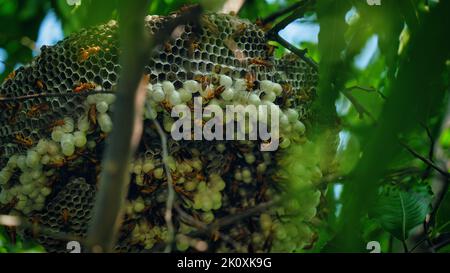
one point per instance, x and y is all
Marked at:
(32, 159)
(158, 173)
(254, 99)
(266, 86)
(79, 139)
(148, 166)
(52, 148)
(226, 81)
(91, 99)
(185, 95)
(45, 159)
(277, 89)
(191, 86)
(240, 85)
(12, 162)
(292, 115)
(41, 147)
(57, 133)
(67, 148)
(250, 158)
(4, 177)
(228, 94)
(285, 143)
(269, 96)
(174, 98)
(158, 94)
(168, 87)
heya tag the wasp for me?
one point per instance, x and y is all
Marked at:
(40, 84)
(215, 93)
(19, 138)
(264, 27)
(59, 122)
(84, 86)
(92, 115)
(233, 47)
(287, 88)
(15, 109)
(10, 76)
(167, 47)
(86, 53)
(240, 30)
(209, 25)
(35, 110)
(166, 105)
(203, 80)
(250, 79)
(193, 45)
(65, 215)
(271, 50)
(260, 62)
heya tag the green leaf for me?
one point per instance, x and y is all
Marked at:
(400, 211)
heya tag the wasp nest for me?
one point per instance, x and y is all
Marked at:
(51, 145)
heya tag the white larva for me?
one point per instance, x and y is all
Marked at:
(105, 122)
(101, 107)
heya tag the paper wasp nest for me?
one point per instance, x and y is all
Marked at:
(51, 144)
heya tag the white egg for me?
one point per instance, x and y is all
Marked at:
(226, 81)
(191, 86)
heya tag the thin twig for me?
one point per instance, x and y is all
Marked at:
(171, 192)
(426, 161)
(55, 95)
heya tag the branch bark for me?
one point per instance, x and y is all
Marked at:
(114, 180)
